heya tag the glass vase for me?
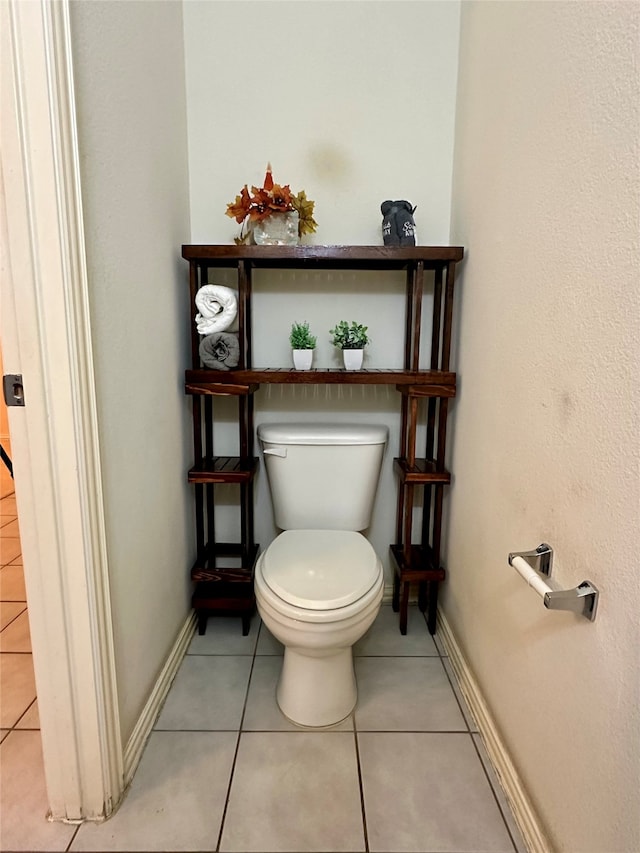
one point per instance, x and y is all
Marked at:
(277, 229)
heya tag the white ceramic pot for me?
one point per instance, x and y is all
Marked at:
(352, 358)
(302, 358)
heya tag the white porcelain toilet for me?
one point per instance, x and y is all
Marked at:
(319, 584)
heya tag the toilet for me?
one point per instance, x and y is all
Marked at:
(319, 584)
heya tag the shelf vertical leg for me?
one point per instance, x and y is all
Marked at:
(417, 288)
(195, 280)
(244, 313)
(437, 318)
(202, 622)
(404, 606)
(448, 316)
(199, 489)
(409, 319)
(432, 609)
(209, 488)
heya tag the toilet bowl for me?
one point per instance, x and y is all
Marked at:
(319, 584)
(318, 592)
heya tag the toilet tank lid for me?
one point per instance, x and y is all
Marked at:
(320, 434)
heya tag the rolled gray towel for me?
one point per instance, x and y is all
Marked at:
(220, 351)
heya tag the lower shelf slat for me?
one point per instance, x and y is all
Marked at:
(226, 563)
(416, 565)
(224, 469)
(423, 471)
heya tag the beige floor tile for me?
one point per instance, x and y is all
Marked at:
(10, 529)
(405, 694)
(384, 637)
(16, 636)
(426, 792)
(30, 719)
(12, 586)
(224, 637)
(8, 506)
(208, 693)
(294, 791)
(9, 610)
(267, 643)
(262, 712)
(24, 800)
(9, 549)
(17, 687)
(176, 799)
(7, 486)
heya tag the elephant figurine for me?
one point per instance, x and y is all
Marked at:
(398, 224)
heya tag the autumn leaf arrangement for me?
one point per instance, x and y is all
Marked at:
(261, 202)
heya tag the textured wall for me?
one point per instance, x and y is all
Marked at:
(545, 432)
(129, 74)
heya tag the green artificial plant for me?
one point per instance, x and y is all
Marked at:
(301, 337)
(347, 336)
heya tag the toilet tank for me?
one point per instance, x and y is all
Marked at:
(324, 476)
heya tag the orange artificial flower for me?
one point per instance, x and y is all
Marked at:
(268, 199)
(240, 208)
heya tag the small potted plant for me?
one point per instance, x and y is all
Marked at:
(303, 344)
(351, 339)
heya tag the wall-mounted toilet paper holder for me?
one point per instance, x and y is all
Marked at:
(531, 564)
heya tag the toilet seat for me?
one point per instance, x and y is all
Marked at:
(320, 570)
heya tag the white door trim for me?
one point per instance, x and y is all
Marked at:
(44, 324)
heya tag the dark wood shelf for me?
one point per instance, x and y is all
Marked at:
(224, 469)
(422, 471)
(219, 597)
(223, 578)
(223, 574)
(326, 257)
(438, 383)
(230, 562)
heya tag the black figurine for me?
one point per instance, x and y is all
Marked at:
(398, 224)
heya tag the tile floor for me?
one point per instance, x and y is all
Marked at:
(224, 770)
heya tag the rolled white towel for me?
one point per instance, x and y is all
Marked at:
(218, 309)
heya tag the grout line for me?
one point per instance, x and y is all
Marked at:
(73, 838)
(235, 754)
(226, 801)
(30, 705)
(361, 786)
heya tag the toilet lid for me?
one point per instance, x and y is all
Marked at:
(320, 569)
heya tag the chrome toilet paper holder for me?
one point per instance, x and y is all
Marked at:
(581, 599)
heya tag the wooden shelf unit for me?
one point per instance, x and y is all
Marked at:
(223, 572)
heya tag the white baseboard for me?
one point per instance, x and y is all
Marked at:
(523, 812)
(137, 742)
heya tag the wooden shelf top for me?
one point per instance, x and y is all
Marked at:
(216, 381)
(363, 257)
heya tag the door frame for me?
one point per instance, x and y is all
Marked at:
(46, 336)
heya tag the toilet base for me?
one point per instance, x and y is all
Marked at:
(317, 690)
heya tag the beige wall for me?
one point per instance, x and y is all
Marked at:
(545, 430)
(4, 419)
(129, 75)
(354, 103)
